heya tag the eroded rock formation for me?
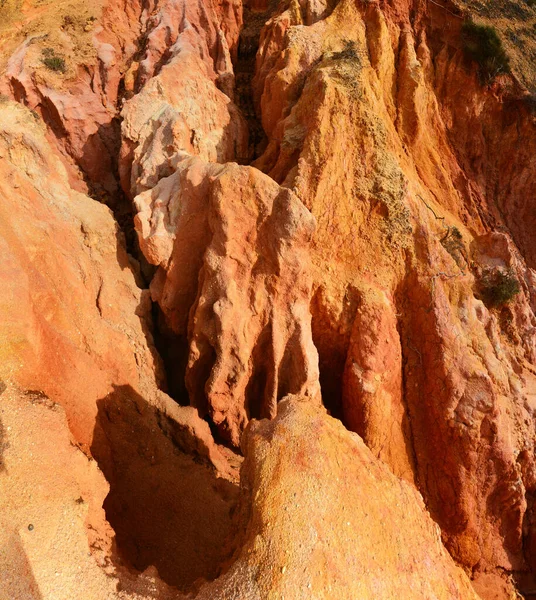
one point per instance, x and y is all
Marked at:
(319, 510)
(368, 131)
(329, 201)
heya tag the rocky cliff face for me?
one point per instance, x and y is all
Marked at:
(220, 220)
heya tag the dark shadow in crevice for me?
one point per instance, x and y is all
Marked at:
(244, 71)
(99, 164)
(526, 580)
(525, 583)
(199, 375)
(331, 361)
(174, 351)
(293, 367)
(256, 390)
(332, 346)
(167, 508)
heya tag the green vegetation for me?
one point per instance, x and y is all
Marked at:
(53, 62)
(452, 241)
(347, 65)
(482, 44)
(349, 52)
(498, 287)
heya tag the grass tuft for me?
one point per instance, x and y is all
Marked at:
(482, 44)
(498, 287)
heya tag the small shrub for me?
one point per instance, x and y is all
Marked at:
(498, 287)
(453, 237)
(349, 52)
(452, 241)
(347, 67)
(482, 44)
(53, 62)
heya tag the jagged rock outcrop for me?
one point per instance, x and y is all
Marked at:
(233, 279)
(379, 248)
(180, 109)
(366, 127)
(319, 509)
(75, 338)
(231, 246)
(77, 95)
(108, 53)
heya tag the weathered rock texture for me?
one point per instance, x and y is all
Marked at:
(75, 338)
(72, 314)
(377, 254)
(380, 126)
(232, 254)
(231, 246)
(320, 510)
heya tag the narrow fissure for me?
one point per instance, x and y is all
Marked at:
(248, 46)
(406, 379)
(166, 508)
(332, 344)
(116, 199)
(173, 349)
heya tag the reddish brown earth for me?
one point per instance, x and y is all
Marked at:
(213, 206)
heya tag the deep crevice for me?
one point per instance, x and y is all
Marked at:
(174, 351)
(168, 508)
(244, 68)
(407, 380)
(256, 388)
(165, 507)
(332, 345)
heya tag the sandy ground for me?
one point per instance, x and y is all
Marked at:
(44, 485)
(61, 25)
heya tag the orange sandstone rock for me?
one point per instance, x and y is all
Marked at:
(366, 124)
(420, 183)
(320, 511)
(75, 334)
(231, 246)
